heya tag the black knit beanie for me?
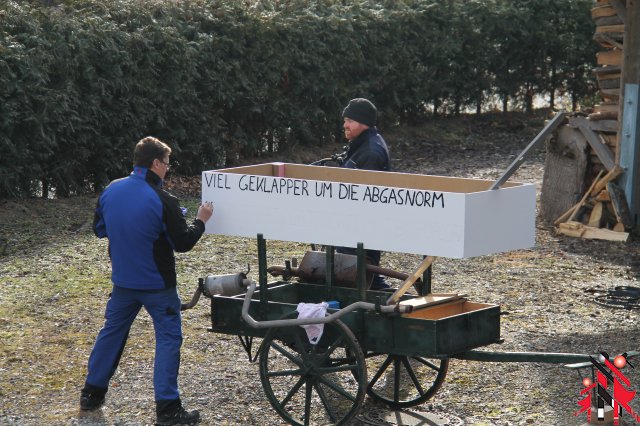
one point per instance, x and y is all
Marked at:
(362, 111)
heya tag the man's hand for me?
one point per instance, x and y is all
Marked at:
(205, 211)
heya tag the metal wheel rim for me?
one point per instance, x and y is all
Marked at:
(304, 381)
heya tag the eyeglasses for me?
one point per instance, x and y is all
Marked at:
(167, 164)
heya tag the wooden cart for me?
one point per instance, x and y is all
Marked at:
(397, 353)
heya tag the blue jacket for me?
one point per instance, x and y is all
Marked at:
(144, 224)
(368, 152)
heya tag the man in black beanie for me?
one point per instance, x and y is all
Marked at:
(367, 150)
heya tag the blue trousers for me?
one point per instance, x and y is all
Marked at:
(164, 308)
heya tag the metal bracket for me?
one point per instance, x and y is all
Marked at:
(247, 344)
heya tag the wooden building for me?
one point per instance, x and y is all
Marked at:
(591, 184)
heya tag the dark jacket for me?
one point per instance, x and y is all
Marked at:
(368, 152)
(144, 224)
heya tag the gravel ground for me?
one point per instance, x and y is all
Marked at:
(543, 293)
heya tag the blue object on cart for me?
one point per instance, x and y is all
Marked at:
(333, 304)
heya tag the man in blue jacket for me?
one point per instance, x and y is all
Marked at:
(367, 150)
(144, 225)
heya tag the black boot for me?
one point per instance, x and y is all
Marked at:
(91, 397)
(172, 412)
(379, 283)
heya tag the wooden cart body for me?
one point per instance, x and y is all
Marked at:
(439, 331)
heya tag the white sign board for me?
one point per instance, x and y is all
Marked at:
(390, 218)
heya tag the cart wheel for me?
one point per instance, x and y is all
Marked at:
(402, 381)
(313, 384)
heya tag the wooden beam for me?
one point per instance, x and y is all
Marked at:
(602, 183)
(618, 28)
(585, 197)
(609, 57)
(608, 20)
(609, 83)
(564, 216)
(595, 218)
(577, 229)
(431, 300)
(631, 67)
(604, 115)
(620, 206)
(610, 94)
(607, 41)
(569, 214)
(410, 280)
(601, 149)
(629, 134)
(600, 11)
(611, 139)
(607, 107)
(607, 70)
(620, 9)
(607, 78)
(606, 126)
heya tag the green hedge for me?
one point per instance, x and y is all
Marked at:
(82, 80)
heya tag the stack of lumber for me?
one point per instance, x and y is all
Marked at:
(602, 211)
(609, 18)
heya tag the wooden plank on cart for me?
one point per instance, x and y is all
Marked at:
(431, 300)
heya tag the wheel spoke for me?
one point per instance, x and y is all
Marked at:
(338, 368)
(345, 360)
(396, 380)
(325, 403)
(284, 351)
(292, 392)
(282, 373)
(413, 376)
(330, 350)
(380, 371)
(307, 403)
(337, 388)
(335, 345)
(426, 362)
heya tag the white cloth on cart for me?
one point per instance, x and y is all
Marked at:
(312, 310)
